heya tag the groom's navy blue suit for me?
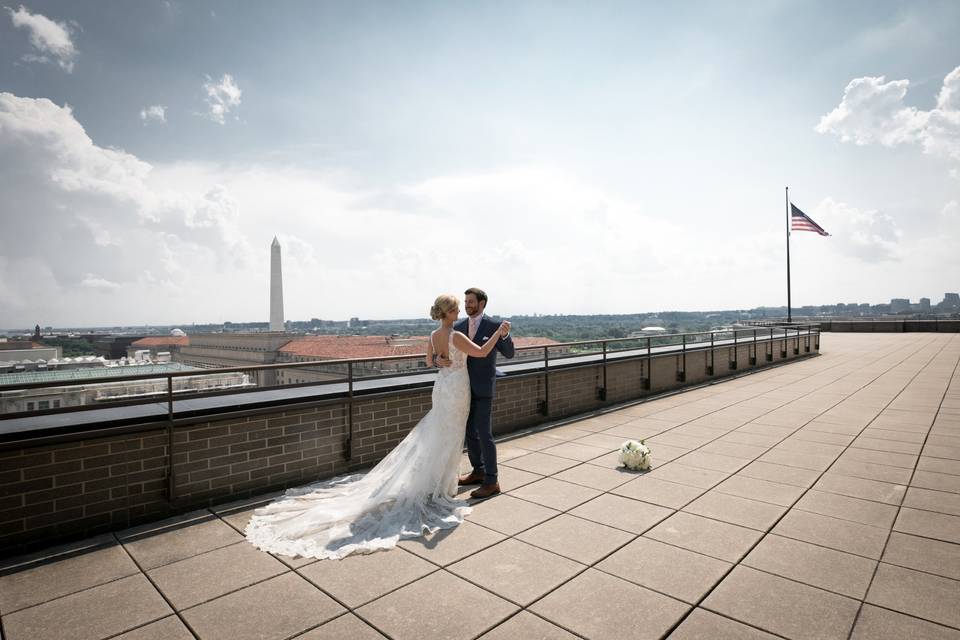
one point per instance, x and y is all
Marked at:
(483, 372)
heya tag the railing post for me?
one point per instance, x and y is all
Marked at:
(649, 382)
(753, 358)
(603, 389)
(733, 363)
(348, 446)
(713, 356)
(682, 375)
(171, 479)
(545, 409)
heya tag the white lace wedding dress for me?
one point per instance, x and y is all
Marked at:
(410, 492)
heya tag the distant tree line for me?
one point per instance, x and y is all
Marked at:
(71, 347)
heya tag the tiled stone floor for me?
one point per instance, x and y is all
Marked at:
(815, 500)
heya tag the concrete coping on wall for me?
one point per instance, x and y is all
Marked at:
(891, 325)
(202, 408)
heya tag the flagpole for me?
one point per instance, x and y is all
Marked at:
(789, 312)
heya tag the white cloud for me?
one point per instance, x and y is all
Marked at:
(867, 235)
(105, 225)
(951, 211)
(125, 241)
(51, 39)
(93, 282)
(873, 111)
(154, 113)
(222, 97)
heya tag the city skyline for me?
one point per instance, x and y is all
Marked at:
(912, 302)
(567, 159)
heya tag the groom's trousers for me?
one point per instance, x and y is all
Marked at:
(480, 446)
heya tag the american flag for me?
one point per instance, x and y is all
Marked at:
(799, 221)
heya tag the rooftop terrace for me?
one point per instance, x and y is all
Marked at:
(820, 499)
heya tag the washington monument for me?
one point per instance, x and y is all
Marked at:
(276, 288)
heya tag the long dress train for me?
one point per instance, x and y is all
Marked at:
(410, 492)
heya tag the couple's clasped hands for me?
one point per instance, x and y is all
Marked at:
(502, 332)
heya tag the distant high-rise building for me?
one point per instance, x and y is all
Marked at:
(951, 301)
(899, 305)
(924, 304)
(276, 288)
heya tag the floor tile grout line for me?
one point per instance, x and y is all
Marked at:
(286, 570)
(787, 436)
(106, 545)
(370, 623)
(157, 589)
(717, 410)
(900, 506)
(765, 534)
(938, 458)
(801, 582)
(728, 617)
(909, 615)
(737, 564)
(605, 411)
(72, 593)
(300, 633)
(733, 565)
(814, 375)
(352, 609)
(196, 555)
(145, 624)
(929, 573)
(524, 610)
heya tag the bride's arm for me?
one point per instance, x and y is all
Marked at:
(465, 344)
(429, 357)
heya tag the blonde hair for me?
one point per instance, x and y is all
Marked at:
(442, 305)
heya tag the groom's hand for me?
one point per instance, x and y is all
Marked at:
(441, 361)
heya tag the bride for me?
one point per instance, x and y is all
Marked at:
(410, 492)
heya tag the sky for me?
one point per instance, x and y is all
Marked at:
(567, 157)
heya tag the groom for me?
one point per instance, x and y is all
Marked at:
(480, 446)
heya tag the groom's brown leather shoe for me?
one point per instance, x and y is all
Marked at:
(471, 478)
(485, 491)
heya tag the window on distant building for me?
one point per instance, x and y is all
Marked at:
(30, 406)
(56, 404)
(44, 404)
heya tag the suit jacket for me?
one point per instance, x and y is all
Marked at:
(483, 371)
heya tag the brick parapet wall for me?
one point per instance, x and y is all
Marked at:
(891, 326)
(56, 492)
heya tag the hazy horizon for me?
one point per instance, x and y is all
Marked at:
(572, 159)
(425, 317)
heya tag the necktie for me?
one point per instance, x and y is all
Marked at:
(474, 323)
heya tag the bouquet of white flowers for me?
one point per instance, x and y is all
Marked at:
(635, 455)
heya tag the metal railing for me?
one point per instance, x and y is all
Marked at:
(606, 348)
(563, 355)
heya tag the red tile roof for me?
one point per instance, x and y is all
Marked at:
(162, 341)
(339, 347)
